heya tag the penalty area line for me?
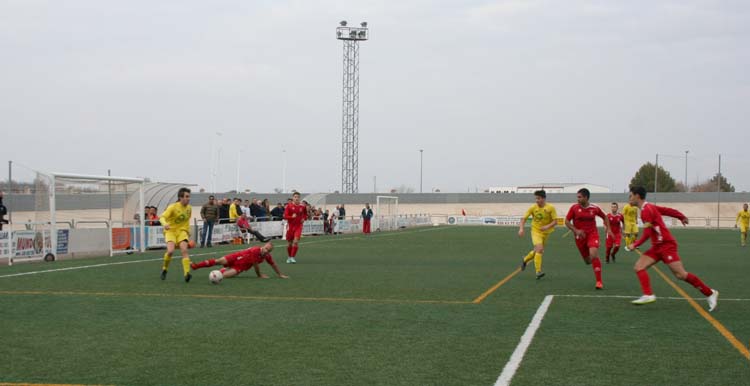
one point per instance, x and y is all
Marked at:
(515, 359)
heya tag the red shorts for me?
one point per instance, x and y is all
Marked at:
(616, 241)
(589, 240)
(665, 252)
(239, 266)
(293, 232)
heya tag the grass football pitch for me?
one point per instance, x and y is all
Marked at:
(426, 306)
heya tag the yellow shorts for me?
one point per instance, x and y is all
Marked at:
(176, 236)
(631, 229)
(539, 237)
(743, 229)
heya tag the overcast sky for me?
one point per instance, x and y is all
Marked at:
(495, 92)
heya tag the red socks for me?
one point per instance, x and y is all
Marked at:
(291, 251)
(614, 251)
(645, 282)
(697, 283)
(597, 266)
(205, 263)
(609, 250)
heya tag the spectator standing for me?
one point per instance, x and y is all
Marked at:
(267, 208)
(246, 208)
(342, 212)
(209, 214)
(234, 210)
(366, 217)
(326, 224)
(262, 213)
(255, 208)
(3, 212)
(277, 213)
(224, 211)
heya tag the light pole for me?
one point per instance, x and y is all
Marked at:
(351, 36)
(421, 151)
(213, 165)
(687, 189)
(283, 171)
(237, 183)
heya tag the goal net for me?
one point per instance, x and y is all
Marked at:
(386, 213)
(99, 213)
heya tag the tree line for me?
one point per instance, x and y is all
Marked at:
(649, 175)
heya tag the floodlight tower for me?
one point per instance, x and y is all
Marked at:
(351, 36)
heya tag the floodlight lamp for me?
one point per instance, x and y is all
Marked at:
(363, 24)
(362, 34)
(353, 34)
(338, 33)
(343, 23)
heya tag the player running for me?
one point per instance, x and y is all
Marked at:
(581, 220)
(241, 261)
(743, 219)
(630, 218)
(543, 222)
(615, 222)
(295, 214)
(176, 222)
(663, 248)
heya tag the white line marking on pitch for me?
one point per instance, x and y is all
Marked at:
(92, 266)
(636, 296)
(515, 360)
(198, 254)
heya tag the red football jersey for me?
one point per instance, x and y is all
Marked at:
(299, 209)
(585, 218)
(656, 229)
(244, 259)
(615, 222)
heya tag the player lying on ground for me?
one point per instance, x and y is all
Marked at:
(663, 248)
(241, 261)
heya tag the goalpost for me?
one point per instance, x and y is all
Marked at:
(386, 213)
(100, 212)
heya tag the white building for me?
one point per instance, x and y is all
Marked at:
(550, 188)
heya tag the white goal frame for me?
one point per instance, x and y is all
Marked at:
(389, 220)
(52, 225)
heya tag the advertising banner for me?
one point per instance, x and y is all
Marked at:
(4, 243)
(63, 238)
(31, 244)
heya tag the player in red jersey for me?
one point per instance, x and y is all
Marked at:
(581, 220)
(295, 215)
(616, 220)
(663, 248)
(241, 261)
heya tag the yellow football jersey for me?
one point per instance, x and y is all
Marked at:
(177, 216)
(630, 214)
(743, 218)
(541, 217)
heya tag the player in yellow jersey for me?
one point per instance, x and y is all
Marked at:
(176, 222)
(630, 219)
(743, 219)
(543, 222)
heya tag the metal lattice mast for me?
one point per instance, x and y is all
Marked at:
(351, 36)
